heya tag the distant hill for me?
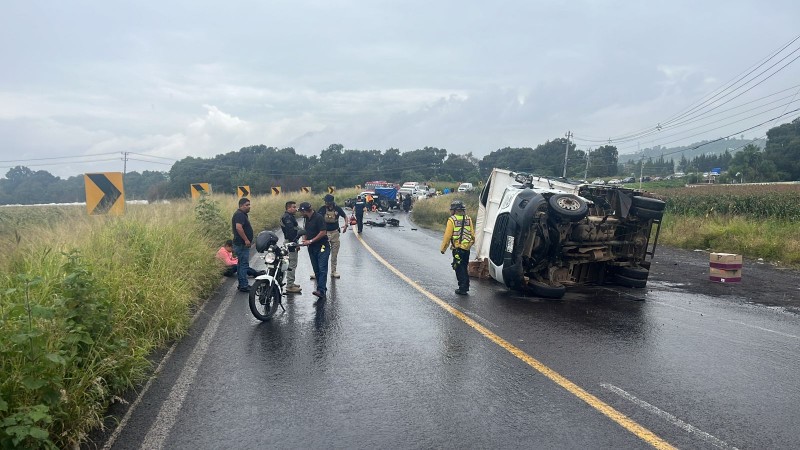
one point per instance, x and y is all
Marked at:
(689, 151)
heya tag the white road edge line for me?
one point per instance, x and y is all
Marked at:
(668, 417)
(729, 320)
(124, 422)
(168, 413)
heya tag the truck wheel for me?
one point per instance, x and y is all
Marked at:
(637, 273)
(540, 289)
(647, 214)
(568, 206)
(629, 282)
(652, 204)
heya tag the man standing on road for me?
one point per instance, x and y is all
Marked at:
(316, 240)
(242, 239)
(332, 213)
(358, 209)
(290, 229)
(459, 235)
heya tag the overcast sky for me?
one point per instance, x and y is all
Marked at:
(199, 78)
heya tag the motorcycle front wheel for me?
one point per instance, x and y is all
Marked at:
(264, 299)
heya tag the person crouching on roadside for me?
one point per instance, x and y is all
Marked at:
(225, 255)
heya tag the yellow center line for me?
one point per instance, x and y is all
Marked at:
(618, 417)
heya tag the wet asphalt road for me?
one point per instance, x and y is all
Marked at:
(381, 364)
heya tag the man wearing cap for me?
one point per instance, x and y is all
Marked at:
(332, 213)
(316, 239)
(290, 229)
(459, 235)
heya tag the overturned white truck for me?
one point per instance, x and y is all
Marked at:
(540, 235)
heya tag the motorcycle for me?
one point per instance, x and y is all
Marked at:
(268, 290)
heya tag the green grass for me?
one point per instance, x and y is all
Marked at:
(774, 240)
(433, 212)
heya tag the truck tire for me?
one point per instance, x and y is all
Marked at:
(637, 273)
(647, 214)
(652, 204)
(540, 289)
(568, 206)
(629, 282)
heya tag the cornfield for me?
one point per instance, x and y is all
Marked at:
(777, 201)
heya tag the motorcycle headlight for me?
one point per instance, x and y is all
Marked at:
(270, 257)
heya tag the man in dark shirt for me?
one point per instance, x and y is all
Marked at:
(290, 229)
(316, 239)
(242, 239)
(332, 212)
(358, 208)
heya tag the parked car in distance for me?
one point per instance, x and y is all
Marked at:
(410, 188)
(466, 187)
(599, 181)
(614, 181)
(629, 180)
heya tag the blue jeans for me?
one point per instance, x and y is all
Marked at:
(243, 253)
(319, 262)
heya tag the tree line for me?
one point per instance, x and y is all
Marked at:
(262, 167)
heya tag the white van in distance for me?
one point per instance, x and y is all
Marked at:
(466, 187)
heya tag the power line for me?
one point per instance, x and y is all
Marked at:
(62, 163)
(59, 157)
(694, 112)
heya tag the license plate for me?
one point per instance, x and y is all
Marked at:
(510, 244)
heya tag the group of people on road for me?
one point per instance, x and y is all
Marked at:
(321, 236)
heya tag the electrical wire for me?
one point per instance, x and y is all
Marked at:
(694, 112)
(59, 157)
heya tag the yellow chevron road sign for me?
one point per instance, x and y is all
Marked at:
(105, 193)
(200, 189)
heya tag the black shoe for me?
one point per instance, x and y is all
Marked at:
(461, 292)
(244, 289)
(261, 272)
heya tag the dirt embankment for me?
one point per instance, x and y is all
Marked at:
(762, 283)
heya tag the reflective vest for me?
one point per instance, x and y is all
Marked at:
(462, 232)
(331, 216)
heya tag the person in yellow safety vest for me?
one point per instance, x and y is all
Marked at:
(460, 236)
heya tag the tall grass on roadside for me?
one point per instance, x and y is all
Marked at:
(433, 212)
(772, 239)
(84, 301)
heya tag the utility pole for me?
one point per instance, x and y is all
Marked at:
(566, 153)
(586, 172)
(641, 166)
(124, 164)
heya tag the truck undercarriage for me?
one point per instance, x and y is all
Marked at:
(546, 237)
